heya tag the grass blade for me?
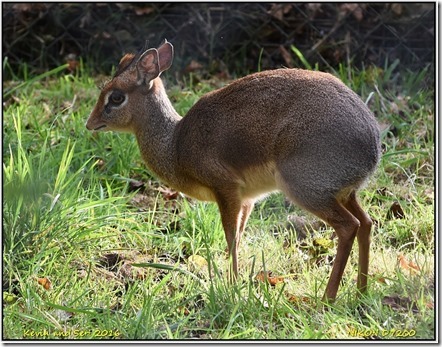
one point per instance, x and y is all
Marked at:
(301, 57)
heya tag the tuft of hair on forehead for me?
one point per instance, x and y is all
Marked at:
(129, 59)
(124, 63)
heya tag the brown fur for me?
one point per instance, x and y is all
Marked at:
(301, 132)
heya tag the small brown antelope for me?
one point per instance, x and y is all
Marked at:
(300, 132)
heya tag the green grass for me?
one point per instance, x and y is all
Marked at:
(118, 259)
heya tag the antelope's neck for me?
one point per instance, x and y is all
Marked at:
(155, 131)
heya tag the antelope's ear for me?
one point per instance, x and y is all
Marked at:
(148, 67)
(165, 54)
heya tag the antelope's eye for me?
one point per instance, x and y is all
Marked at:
(117, 98)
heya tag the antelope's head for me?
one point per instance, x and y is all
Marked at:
(124, 96)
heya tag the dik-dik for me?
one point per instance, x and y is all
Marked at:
(300, 132)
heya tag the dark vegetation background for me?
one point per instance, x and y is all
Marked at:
(219, 37)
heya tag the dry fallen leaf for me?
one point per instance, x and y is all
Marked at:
(398, 303)
(143, 202)
(430, 305)
(135, 185)
(298, 299)
(266, 276)
(168, 194)
(408, 265)
(45, 283)
(395, 211)
(382, 279)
